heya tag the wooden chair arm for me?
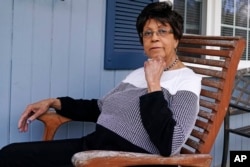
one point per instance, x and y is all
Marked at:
(52, 121)
(117, 158)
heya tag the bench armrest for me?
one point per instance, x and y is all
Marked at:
(118, 158)
(52, 121)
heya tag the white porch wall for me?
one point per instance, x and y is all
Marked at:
(51, 48)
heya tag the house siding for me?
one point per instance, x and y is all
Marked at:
(52, 48)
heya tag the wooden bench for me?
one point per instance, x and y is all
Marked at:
(239, 104)
(216, 59)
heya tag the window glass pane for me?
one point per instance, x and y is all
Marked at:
(243, 33)
(191, 12)
(227, 16)
(241, 13)
(193, 17)
(235, 21)
(225, 31)
(179, 6)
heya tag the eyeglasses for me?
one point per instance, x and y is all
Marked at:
(160, 32)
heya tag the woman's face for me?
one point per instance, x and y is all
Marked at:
(160, 43)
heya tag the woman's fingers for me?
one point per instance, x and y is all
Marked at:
(34, 110)
(23, 121)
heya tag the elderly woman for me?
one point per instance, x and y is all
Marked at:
(152, 110)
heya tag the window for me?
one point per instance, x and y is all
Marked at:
(235, 21)
(191, 12)
(123, 50)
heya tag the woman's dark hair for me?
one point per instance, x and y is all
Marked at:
(162, 12)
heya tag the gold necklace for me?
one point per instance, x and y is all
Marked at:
(172, 65)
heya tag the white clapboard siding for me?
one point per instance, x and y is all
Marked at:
(5, 69)
(50, 48)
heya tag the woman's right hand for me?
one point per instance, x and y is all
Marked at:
(153, 71)
(34, 110)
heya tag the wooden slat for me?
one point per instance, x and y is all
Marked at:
(208, 72)
(213, 41)
(204, 125)
(198, 134)
(209, 105)
(186, 151)
(204, 51)
(202, 61)
(206, 115)
(210, 94)
(212, 83)
(192, 143)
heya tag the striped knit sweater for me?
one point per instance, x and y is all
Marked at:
(158, 122)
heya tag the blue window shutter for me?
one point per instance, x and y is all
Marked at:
(123, 50)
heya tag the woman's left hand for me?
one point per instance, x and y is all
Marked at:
(153, 71)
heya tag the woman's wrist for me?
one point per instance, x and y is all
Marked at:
(154, 88)
(55, 103)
